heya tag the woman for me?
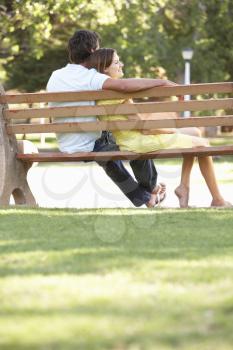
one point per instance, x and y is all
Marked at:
(106, 61)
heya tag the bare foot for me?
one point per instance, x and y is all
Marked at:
(160, 191)
(182, 193)
(221, 203)
(157, 195)
(156, 189)
(160, 188)
(153, 200)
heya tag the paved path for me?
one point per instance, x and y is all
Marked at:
(87, 186)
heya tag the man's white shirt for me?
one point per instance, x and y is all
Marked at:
(74, 77)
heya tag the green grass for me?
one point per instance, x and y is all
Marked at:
(116, 279)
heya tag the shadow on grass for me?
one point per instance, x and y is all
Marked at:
(70, 242)
(52, 242)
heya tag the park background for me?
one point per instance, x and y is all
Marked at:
(147, 34)
(119, 279)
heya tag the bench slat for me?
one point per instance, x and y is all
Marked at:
(120, 125)
(194, 89)
(103, 156)
(116, 109)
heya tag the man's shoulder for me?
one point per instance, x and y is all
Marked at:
(60, 71)
(76, 69)
(57, 73)
(73, 70)
(75, 77)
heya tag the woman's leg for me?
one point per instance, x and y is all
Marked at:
(207, 169)
(182, 191)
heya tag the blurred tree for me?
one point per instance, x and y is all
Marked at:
(147, 34)
(207, 27)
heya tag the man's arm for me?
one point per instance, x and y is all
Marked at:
(130, 85)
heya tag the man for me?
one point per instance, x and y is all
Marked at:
(76, 77)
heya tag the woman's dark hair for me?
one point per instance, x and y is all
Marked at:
(100, 59)
(81, 45)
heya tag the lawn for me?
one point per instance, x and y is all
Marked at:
(116, 279)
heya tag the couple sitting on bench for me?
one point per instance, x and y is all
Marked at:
(92, 68)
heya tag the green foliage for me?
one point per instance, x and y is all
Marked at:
(147, 34)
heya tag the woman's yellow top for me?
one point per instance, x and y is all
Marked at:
(135, 141)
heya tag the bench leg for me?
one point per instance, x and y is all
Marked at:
(14, 182)
(30, 199)
(22, 196)
(20, 188)
(13, 173)
(5, 198)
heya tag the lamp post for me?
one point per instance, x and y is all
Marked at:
(187, 56)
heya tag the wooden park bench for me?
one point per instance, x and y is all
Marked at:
(15, 164)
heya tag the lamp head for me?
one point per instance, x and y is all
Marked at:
(187, 54)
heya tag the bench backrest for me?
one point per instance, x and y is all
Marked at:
(209, 98)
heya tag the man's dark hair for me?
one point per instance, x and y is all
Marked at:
(81, 45)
